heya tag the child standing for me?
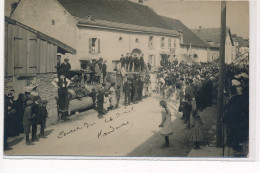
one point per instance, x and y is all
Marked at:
(43, 115)
(100, 103)
(196, 131)
(117, 95)
(27, 120)
(166, 124)
(106, 102)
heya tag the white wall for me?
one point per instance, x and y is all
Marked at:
(201, 52)
(111, 48)
(40, 15)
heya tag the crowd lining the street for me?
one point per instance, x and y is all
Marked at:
(192, 87)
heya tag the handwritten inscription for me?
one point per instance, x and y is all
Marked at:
(117, 115)
(66, 133)
(111, 129)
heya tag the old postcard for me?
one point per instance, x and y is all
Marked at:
(126, 78)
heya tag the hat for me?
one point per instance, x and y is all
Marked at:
(244, 75)
(235, 83)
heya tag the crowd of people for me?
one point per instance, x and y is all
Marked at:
(193, 87)
(132, 63)
(24, 115)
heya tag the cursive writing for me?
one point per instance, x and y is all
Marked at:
(111, 129)
(64, 133)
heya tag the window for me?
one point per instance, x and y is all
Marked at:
(137, 40)
(94, 45)
(151, 60)
(174, 43)
(169, 42)
(163, 42)
(150, 43)
(53, 22)
(120, 39)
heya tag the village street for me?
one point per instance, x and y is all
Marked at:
(127, 131)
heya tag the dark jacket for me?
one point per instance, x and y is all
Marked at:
(65, 69)
(28, 116)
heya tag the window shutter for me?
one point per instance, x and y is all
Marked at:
(98, 45)
(90, 44)
(20, 51)
(31, 55)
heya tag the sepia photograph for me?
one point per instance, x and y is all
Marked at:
(126, 78)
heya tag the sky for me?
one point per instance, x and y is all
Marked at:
(205, 13)
(200, 13)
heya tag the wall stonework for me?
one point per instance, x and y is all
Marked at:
(47, 92)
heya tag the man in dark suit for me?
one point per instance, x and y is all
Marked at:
(142, 62)
(122, 60)
(65, 68)
(104, 71)
(131, 63)
(136, 63)
(127, 90)
(127, 61)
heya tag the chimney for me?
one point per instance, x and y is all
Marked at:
(199, 28)
(13, 6)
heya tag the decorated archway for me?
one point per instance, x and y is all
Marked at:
(136, 51)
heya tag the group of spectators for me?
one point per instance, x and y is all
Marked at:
(24, 115)
(95, 71)
(193, 86)
(196, 87)
(132, 63)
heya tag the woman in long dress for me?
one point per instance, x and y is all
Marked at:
(166, 124)
(113, 95)
(196, 131)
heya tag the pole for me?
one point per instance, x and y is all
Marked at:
(221, 80)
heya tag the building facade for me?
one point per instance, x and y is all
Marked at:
(212, 37)
(87, 27)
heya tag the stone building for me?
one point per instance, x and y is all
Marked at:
(102, 28)
(212, 37)
(192, 48)
(31, 57)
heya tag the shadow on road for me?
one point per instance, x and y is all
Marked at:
(180, 145)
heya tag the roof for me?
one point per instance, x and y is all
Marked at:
(116, 13)
(189, 38)
(211, 34)
(61, 46)
(185, 58)
(241, 41)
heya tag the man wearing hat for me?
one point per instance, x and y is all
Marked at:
(104, 71)
(131, 61)
(127, 61)
(43, 116)
(65, 68)
(127, 90)
(123, 61)
(27, 120)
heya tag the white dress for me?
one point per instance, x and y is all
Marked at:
(113, 97)
(167, 128)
